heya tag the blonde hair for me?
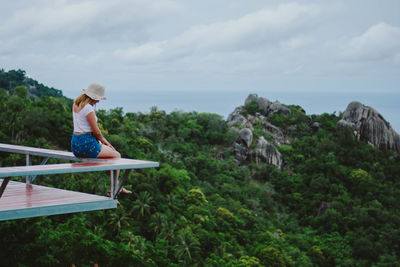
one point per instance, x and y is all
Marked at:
(83, 99)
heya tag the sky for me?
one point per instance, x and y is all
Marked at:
(154, 52)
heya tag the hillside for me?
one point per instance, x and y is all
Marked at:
(291, 190)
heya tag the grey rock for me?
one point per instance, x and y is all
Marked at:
(276, 134)
(33, 90)
(251, 98)
(261, 117)
(240, 152)
(369, 125)
(236, 119)
(315, 125)
(266, 153)
(348, 124)
(246, 135)
(251, 118)
(237, 111)
(278, 108)
(257, 118)
(244, 124)
(263, 105)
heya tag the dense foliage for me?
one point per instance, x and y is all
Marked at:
(333, 204)
(13, 78)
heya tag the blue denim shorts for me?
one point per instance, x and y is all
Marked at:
(85, 146)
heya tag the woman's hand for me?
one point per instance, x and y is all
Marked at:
(105, 142)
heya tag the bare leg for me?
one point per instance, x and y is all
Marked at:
(108, 152)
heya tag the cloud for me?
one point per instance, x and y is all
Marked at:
(380, 42)
(267, 27)
(189, 40)
(101, 20)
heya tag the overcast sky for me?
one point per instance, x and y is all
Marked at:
(141, 45)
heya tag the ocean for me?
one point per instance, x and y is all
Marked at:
(223, 102)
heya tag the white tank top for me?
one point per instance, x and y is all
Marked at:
(81, 124)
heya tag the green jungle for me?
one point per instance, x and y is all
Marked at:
(200, 207)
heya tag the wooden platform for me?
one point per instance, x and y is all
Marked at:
(43, 152)
(22, 200)
(104, 165)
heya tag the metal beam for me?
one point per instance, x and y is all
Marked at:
(121, 183)
(4, 185)
(33, 177)
(28, 163)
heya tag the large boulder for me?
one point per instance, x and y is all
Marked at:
(276, 134)
(245, 125)
(246, 136)
(265, 152)
(240, 152)
(242, 145)
(250, 98)
(278, 108)
(236, 119)
(263, 105)
(370, 126)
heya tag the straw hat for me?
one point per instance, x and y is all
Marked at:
(95, 91)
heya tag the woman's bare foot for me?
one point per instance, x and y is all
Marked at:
(121, 191)
(125, 191)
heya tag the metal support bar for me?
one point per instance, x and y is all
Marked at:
(33, 177)
(28, 163)
(114, 192)
(112, 183)
(4, 185)
(121, 183)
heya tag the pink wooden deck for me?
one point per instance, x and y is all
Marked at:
(22, 200)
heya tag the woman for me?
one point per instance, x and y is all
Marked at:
(87, 140)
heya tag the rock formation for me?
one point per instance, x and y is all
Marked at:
(370, 126)
(263, 151)
(237, 119)
(258, 138)
(247, 136)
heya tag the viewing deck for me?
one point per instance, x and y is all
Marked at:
(22, 200)
(25, 200)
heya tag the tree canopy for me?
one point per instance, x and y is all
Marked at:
(333, 204)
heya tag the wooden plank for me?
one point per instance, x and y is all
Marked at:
(111, 164)
(43, 152)
(24, 201)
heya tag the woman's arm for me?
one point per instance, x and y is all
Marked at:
(96, 130)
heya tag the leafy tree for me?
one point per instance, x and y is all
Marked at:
(142, 204)
(271, 257)
(195, 197)
(187, 246)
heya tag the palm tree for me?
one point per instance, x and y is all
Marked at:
(156, 223)
(167, 229)
(118, 220)
(142, 204)
(187, 245)
(135, 242)
(171, 199)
